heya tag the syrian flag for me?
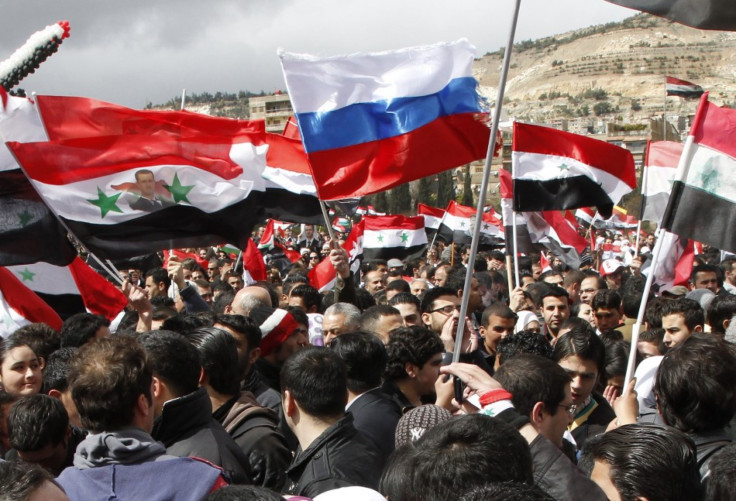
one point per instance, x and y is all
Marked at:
(29, 232)
(72, 289)
(702, 206)
(341, 224)
(289, 192)
(254, 267)
(702, 14)
(557, 170)
(586, 216)
(660, 166)
(400, 237)
(129, 195)
(675, 263)
(21, 306)
(432, 218)
(511, 219)
(268, 238)
(551, 229)
(544, 263)
(683, 88)
(323, 276)
(458, 224)
(619, 220)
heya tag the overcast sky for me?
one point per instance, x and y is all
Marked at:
(134, 51)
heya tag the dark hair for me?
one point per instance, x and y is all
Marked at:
(223, 300)
(159, 275)
(10, 343)
(107, 378)
(506, 491)
(432, 294)
(365, 358)
(80, 328)
(413, 344)
(240, 492)
(162, 312)
(654, 336)
(173, 360)
(549, 273)
(370, 317)
(36, 421)
(309, 294)
(574, 321)
(648, 461)
(573, 277)
(18, 480)
(396, 479)
(466, 452)
(315, 367)
(218, 356)
(608, 299)
(707, 268)
(363, 298)
(185, 322)
(293, 280)
(694, 385)
(400, 285)
(617, 359)
(691, 311)
(57, 369)
(547, 290)
(584, 343)
(720, 485)
(243, 325)
(532, 379)
(40, 338)
(722, 308)
(456, 279)
(653, 313)
(498, 310)
(405, 298)
(372, 265)
(525, 341)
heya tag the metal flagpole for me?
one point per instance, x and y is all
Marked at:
(664, 112)
(484, 185)
(183, 98)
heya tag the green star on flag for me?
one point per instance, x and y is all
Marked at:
(563, 167)
(105, 203)
(709, 177)
(178, 191)
(25, 218)
(27, 275)
(404, 238)
(380, 238)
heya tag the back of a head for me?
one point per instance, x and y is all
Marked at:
(583, 343)
(694, 385)
(80, 328)
(365, 358)
(185, 322)
(410, 344)
(532, 379)
(722, 308)
(56, 371)
(372, 316)
(468, 451)
(174, 360)
(218, 355)
(526, 341)
(20, 481)
(506, 491)
(106, 380)
(37, 421)
(647, 461)
(721, 485)
(317, 380)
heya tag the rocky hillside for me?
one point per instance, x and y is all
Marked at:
(615, 71)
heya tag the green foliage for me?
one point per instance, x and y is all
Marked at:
(424, 191)
(445, 188)
(602, 108)
(467, 196)
(400, 199)
(635, 105)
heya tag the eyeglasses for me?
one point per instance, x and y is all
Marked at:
(447, 309)
(570, 409)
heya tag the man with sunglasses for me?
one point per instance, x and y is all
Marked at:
(441, 314)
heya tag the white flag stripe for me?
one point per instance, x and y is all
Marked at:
(393, 238)
(18, 122)
(46, 278)
(712, 171)
(295, 182)
(540, 167)
(318, 84)
(659, 179)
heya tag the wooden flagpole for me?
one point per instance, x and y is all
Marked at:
(484, 186)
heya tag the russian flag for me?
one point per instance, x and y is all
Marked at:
(373, 121)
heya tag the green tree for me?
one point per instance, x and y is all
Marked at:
(467, 198)
(445, 188)
(380, 202)
(424, 191)
(400, 199)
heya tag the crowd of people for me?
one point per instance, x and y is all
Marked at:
(211, 388)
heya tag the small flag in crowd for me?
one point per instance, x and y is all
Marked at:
(660, 166)
(72, 289)
(400, 237)
(682, 88)
(675, 263)
(557, 170)
(459, 222)
(323, 276)
(702, 205)
(432, 218)
(254, 267)
(20, 306)
(370, 122)
(523, 242)
(551, 229)
(703, 14)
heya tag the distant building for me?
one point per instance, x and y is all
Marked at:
(274, 109)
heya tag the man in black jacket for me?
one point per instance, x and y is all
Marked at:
(331, 454)
(183, 412)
